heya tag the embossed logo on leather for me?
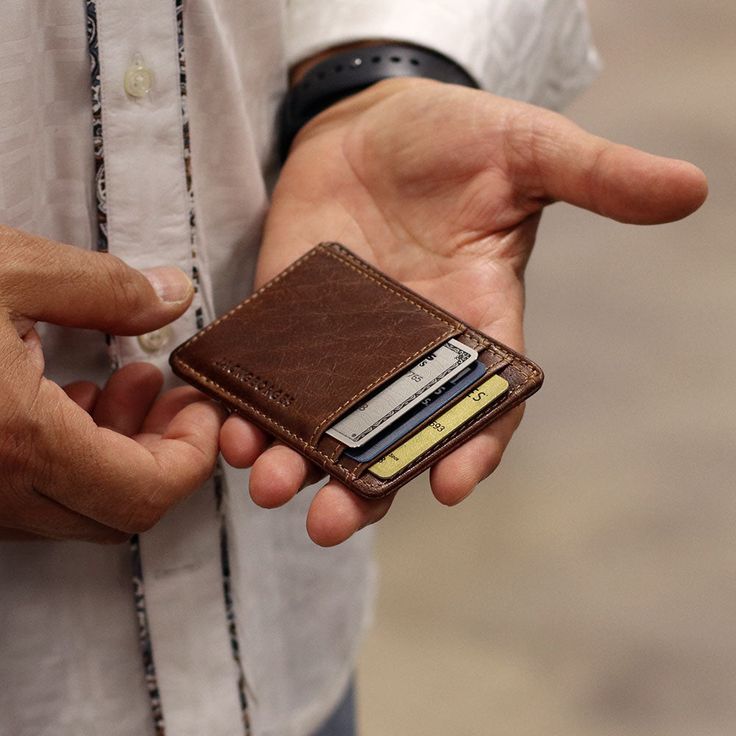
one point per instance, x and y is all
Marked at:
(262, 385)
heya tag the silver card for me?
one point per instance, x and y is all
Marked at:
(392, 401)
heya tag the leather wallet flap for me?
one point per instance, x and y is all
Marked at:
(313, 341)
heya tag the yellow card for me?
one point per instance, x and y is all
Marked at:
(389, 465)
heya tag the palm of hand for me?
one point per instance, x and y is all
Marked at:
(432, 207)
(440, 187)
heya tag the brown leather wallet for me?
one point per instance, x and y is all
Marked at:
(320, 337)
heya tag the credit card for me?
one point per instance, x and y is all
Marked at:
(427, 407)
(404, 455)
(403, 393)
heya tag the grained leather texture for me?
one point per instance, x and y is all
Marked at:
(314, 341)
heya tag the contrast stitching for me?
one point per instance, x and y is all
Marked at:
(253, 296)
(330, 461)
(347, 260)
(377, 483)
(318, 431)
(325, 249)
(244, 404)
(341, 254)
(337, 252)
(336, 453)
(367, 272)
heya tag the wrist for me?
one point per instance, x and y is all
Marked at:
(345, 114)
(347, 71)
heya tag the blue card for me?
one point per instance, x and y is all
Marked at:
(428, 407)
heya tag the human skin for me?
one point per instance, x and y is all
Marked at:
(82, 462)
(442, 187)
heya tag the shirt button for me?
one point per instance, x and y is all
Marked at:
(138, 78)
(154, 341)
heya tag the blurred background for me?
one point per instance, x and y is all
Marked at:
(589, 586)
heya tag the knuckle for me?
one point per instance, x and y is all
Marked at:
(123, 284)
(112, 537)
(531, 138)
(18, 439)
(147, 511)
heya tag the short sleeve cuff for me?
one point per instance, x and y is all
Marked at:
(539, 52)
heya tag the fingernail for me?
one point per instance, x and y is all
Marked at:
(170, 283)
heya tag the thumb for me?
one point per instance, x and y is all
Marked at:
(552, 158)
(51, 282)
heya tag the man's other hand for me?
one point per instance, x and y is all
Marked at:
(80, 463)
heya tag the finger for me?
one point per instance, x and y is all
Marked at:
(125, 483)
(127, 397)
(278, 475)
(455, 476)
(552, 158)
(83, 393)
(44, 280)
(241, 442)
(336, 514)
(42, 518)
(168, 406)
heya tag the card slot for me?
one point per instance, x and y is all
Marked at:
(318, 338)
(524, 379)
(376, 384)
(328, 445)
(488, 353)
(495, 367)
(313, 341)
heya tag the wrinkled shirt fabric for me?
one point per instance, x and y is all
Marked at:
(70, 660)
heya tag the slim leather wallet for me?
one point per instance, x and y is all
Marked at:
(329, 332)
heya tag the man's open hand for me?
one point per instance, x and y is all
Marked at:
(442, 188)
(85, 463)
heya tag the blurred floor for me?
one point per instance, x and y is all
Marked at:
(589, 587)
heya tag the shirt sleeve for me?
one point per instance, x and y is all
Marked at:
(539, 51)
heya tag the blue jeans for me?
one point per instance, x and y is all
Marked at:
(342, 721)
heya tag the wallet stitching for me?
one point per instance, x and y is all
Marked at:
(377, 482)
(244, 404)
(351, 476)
(327, 249)
(367, 272)
(435, 340)
(337, 252)
(358, 267)
(253, 296)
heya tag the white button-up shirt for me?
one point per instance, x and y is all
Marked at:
(164, 155)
